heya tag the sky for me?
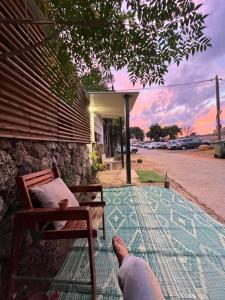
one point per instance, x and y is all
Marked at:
(187, 106)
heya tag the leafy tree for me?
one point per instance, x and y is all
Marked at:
(137, 132)
(171, 131)
(94, 80)
(155, 132)
(143, 36)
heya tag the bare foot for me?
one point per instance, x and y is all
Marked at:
(119, 248)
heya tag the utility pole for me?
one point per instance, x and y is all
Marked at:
(218, 112)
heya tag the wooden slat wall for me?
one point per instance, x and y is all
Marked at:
(27, 107)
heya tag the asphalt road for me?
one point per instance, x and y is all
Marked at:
(203, 177)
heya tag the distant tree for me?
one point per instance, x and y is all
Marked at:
(155, 132)
(187, 131)
(137, 132)
(171, 131)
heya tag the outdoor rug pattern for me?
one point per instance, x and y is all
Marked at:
(183, 245)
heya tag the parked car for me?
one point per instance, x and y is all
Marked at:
(164, 145)
(189, 143)
(205, 142)
(173, 145)
(151, 145)
(141, 145)
(158, 145)
(132, 149)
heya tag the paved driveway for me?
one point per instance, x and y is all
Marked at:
(203, 177)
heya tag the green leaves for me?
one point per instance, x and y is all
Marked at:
(137, 132)
(157, 132)
(145, 36)
(94, 80)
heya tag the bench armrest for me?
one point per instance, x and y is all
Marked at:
(85, 188)
(52, 214)
(92, 203)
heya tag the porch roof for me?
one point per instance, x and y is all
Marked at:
(110, 104)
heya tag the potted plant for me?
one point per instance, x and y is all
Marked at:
(166, 182)
(96, 165)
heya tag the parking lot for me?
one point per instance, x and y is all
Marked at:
(199, 173)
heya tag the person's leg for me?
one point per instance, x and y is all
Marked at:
(135, 277)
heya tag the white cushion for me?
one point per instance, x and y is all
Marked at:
(51, 193)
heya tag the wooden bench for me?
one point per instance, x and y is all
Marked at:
(108, 161)
(82, 221)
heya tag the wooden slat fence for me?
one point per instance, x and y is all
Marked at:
(28, 109)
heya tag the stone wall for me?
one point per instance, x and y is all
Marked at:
(19, 157)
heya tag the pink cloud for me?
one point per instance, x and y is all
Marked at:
(207, 123)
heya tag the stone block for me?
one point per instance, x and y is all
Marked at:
(5, 145)
(72, 146)
(46, 162)
(39, 151)
(8, 170)
(52, 145)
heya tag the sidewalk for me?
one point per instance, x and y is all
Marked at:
(116, 178)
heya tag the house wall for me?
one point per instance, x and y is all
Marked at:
(37, 128)
(29, 107)
(98, 129)
(97, 134)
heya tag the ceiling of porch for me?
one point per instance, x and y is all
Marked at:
(110, 104)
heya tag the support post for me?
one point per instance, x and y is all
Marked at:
(121, 141)
(127, 119)
(218, 125)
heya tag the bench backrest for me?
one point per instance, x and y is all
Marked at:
(27, 182)
(106, 160)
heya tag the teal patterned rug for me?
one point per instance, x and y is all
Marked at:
(183, 245)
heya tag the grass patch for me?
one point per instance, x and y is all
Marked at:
(149, 176)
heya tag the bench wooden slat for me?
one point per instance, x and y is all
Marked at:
(96, 215)
(39, 181)
(38, 174)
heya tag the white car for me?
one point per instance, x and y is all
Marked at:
(132, 149)
(173, 145)
(150, 145)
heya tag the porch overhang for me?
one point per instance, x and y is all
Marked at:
(110, 104)
(114, 105)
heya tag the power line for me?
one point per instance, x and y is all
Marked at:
(168, 86)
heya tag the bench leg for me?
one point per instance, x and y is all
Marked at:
(103, 226)
(92, 265)
(17, 240)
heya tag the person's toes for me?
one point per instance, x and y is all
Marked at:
(118, 240)
(119, 248)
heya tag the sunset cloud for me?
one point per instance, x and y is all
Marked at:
(191, 105)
